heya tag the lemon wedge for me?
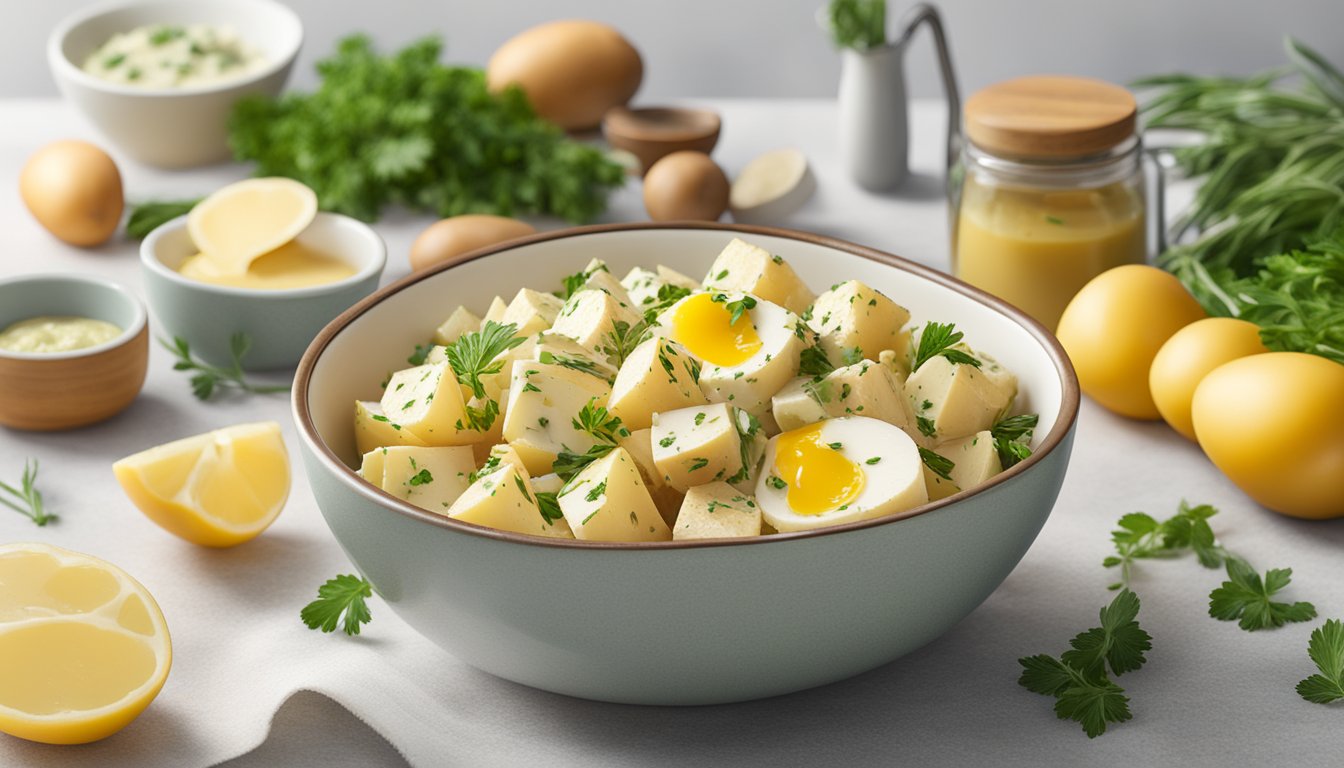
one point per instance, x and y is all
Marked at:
(242, 221)
(218, 489)
(83, 647)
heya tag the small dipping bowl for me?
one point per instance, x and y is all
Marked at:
(280, 323)
(650, 133)
(48, 391)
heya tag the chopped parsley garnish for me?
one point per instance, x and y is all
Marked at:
(420, 354)
(575, 363)
(700, 463)
(549, 506)
(595, 421)
(423, 477)
(596, 492)
(813, 362)
(776, 482)
(851, 355)
(667, 442)
(473, 356)
(1012, 437)
(937, 463)
(735, 308)
(699, 418)
(938, 340)
(926, 426)
(873, 460)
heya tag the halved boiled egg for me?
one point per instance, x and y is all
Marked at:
(748, 348)
(839, 471)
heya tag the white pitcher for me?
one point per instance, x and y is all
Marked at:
(874, 114)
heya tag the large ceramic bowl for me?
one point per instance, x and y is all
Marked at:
(280, 323)
(678, 622)
(171, 127)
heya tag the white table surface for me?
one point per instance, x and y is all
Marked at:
(1210, 694)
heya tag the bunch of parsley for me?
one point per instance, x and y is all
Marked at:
(405, 129)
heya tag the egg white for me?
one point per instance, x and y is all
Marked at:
(894, 483)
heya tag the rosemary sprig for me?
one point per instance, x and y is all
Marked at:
(27, 500)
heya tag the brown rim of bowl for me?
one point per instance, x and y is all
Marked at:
(1068, 412)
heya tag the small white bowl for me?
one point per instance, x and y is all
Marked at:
(171, 127)
(280, 323)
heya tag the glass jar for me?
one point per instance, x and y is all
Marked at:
(1052, 191)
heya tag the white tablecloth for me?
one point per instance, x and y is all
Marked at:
(1210, 694)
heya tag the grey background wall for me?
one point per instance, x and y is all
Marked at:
(775, 48)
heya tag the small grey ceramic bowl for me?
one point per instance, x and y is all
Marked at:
(171, 127)
(280, 323)
(64, 390)
(681, 622)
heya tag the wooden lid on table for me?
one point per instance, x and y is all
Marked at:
(1050, 117)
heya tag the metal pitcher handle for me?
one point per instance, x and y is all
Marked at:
(922, 13)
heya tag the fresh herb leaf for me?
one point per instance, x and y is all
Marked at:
(621, 340)
(549, 506)
(926, 426)
(1140, 536)
(208, 379)
(567, 464)
(938, 339)
(596, 492)
(1246, 598)
(858, 24)
(735, 308)
(473, 354)
(595, 421)
(576, 363)
(421, 352)
(851, 355)
(813, 362)
(1326, 649)
(1078, 680)
(344, 594)
(937, 463)
(27, 499)
(403, 128)
(1012, 438)
(423, 477)
(149, 216)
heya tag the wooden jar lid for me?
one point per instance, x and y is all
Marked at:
(1050, 117)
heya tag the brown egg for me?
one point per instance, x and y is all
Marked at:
(73, 189)
(572, 71)
(685, 185)
(447, 239)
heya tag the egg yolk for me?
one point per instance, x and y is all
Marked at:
(820, 478)
(705, 327)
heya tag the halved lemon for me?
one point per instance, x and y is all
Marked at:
(247, 219)
(218, 489)
(83, 646)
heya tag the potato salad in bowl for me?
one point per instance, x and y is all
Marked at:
(656, 407)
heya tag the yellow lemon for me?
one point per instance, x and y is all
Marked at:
(218, 489)
(83, 647)
(247, 219)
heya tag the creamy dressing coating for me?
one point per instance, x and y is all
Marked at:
(175, 56)
(292, 265)
(50, 334)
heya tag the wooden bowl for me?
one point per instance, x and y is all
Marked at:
(649, 133)
(62, 390)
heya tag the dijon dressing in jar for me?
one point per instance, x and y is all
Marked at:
(1053, 190)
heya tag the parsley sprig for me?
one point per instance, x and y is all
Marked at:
(937, 463)
(938, 339)
(1246, 598)
(1326, 649)
(473, 356)
(605, 430)
(208, 379)
(1012, 438)
(27, 499)
(1078, 679)
(617, 344)
(345, 594)
(813, 362)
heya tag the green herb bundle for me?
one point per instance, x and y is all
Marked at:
(405, 129)
(858, 24)
(1271, 206)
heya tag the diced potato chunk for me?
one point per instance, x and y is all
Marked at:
(564, 351)
(957, 400)
(717, 511)
(503, 499)
(375, 430)
(668, 499)
(461, 321)
(430, 478)
(495, 312)
(695, 446)
(548, 483)
(589, 315)
(599, 278)
(975, 459)
(852, 315)
(607, 501)
(938, 487)
(862, 389)
(657, 376)
(744, 267)
(371, 466)
(543, 402)
(673, 277)
(503, 453)
(531, 311)
(427, 400)
(642, 286)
